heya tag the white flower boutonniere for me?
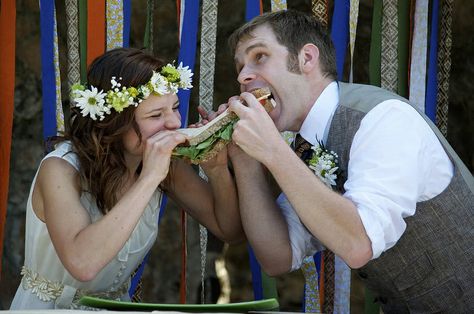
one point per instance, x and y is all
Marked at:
(324, 163)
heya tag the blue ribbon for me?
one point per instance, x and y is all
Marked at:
(47, 68)
(252, 9)
(340, 33)
(136, 278)
(187, 51)
(256, 275)
(127, 13)
(432, 80)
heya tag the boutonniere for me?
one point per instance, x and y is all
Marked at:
(324, 164)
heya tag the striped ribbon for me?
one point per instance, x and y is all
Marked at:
(340, 32)
(278, 5)
(73, 60)
(320, 10)
(114, 22)
(148, 38)
(403, 40)
(48, 71)
(389, 61)
(418, 55)
(95, 29)
(431, 89)
(7, 81)
(444, 65)
(376, 45)
(353, 17)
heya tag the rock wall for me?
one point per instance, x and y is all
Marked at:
(161, 277)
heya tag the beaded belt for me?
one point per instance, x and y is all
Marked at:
(47, 290)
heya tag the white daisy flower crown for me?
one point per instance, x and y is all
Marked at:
(97, 104)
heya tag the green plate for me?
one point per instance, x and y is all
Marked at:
(260, 305)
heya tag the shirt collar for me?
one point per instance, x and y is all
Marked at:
(318, 118)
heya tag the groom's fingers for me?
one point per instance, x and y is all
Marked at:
(236, 105)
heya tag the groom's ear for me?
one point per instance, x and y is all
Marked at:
(309, 58)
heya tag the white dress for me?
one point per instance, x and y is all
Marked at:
(46, 284)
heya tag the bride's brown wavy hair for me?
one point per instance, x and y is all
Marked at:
(99, 144)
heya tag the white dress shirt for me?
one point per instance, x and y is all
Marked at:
(395, 161)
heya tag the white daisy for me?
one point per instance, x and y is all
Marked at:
(185, 76)
(159, 84)
(91, 102)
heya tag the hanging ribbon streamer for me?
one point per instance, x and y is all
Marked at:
(47, 67)
(148, 39)
(206, 93)
(403, 39)
(444, 65)
(83, 39)
(353, 17)
(340, 32)
(431, 89)
(95, 29)
(208, 53)
(418, 55)
(114, 21)
(188, 12)
(320, 10)
(312, 302)
(187, 52)
(389, 64)
(127, 14)
(73, 60)
(376, 45)
(263, 285)
(7, 79)
(278, 5)
(57, 76)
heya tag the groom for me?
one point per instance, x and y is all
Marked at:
(402, 209)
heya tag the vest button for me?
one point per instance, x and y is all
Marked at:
(363, 275)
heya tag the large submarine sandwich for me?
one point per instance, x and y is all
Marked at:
(205, 142)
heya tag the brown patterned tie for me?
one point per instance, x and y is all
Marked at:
(303, 150)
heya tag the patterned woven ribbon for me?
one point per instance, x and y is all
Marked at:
(353, 17)
(206, 94)
(73, 61)
(444, 65)
(376, 45)
(432, 88)
(389, 62)
(208, 53)
(418, 55)
(312, 304)
(340, 32)
(114, 21)
(57, 78)
(278, 5)
(320, 10)
(7, 79)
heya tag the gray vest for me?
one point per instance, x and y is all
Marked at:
(431, 268)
